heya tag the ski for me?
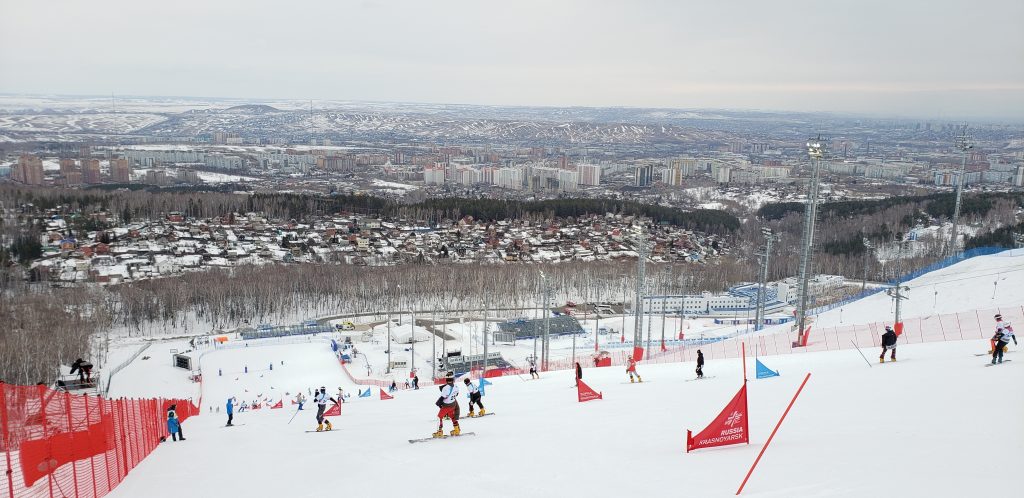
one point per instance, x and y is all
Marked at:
(701, 378)
(994, 364)
(442, 437)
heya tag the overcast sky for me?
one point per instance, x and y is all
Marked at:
(926, 58)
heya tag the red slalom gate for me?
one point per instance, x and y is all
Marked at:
(58, 444)
(776, 429)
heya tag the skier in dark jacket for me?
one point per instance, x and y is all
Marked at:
(700, 364)
(888, 343)
(83, 368)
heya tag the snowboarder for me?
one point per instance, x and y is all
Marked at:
(631, 370)
(230, 409)
(533, 368)
(1001, 338)
(300, 399)
(321, 400)
(416, 381)
(173, 424)
(888, 343)
(341, 395)
(474, 397)
(700, 364)
(83, 368)
(1000, 324)
(393, 387)
(579, 373)
(448, 403)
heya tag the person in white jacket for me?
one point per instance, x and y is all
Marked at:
(448, 403)
(321, 400)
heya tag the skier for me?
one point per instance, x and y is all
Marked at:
(631, 370)
(83, 368)
(700, 365)
(579, 373)
(394, 387)
(448, 403)
(533, 368)
(300, 399)
(416, 381)
(230, 409)
(173, 424)
(474, 397)
(341, 395)
(1001, 338)
(1000, 324)
(321, 400)
(888, 343)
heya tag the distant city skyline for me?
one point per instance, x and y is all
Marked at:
(923, 59)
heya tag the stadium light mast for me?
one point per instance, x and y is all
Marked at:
(762, 281)
(547, 323)
(638, 312)
(868, 246)
(897, 291)
(963, 143)
(816, 150)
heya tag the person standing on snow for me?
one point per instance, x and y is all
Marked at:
(579, 373)
(230, 409)
(474, 397)
(631, 369)
(448, 403)
(533, 369)
(321, 400)
(300, 399)
(1007, 329)
(888, 343)
(173, 424)
(1001, 338)
(700, 365)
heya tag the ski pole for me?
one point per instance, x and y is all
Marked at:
(861, 353)
(293, 416)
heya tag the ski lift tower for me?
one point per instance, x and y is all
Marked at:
(638, 311)
(762, 283)
(816, 150)
(962, 142)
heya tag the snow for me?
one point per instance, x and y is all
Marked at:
(984, 282)
(393, 185)
(855, 431)
(931, 423)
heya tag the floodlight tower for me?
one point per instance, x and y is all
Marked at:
(816, 149)
(638, 319)
(962, 142)
(762, 281)
(868, 246)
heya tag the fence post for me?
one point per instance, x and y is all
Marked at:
(42, 413)
(124, 440)
(4, 425)
(92, 458)
(74, 454)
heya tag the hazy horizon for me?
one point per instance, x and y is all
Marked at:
(870, 58)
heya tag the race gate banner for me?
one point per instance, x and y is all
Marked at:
(384, 395)
(333, 411)
(585, 393)
(730, 427)
(279, 404)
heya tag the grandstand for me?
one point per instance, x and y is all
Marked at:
(528, 329)
(267, 332)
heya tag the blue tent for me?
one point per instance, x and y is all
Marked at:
(764, 372)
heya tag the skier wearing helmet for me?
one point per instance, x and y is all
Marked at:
(321, 400)
(888, 343)
(448, 403)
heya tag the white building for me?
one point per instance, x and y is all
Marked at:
(589, 174)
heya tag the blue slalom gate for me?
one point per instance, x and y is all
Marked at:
(764, 372)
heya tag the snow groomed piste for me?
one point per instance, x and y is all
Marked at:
(935, 423)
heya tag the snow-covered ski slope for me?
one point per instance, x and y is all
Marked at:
(935, 423)
(982, 282)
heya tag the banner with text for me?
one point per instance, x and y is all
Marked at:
(730, 427)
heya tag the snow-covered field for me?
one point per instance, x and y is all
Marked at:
(933, 424)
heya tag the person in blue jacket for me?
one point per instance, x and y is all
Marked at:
(173, 424)
(231, 411)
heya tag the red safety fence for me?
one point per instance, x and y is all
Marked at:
(57, 444)
(968, 325)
